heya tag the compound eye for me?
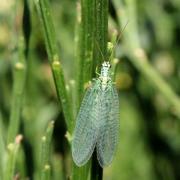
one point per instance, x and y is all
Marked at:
(106, 64)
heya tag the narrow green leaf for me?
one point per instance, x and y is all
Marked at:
(18, 89)
(51, 46)
(45, 152)
(2, 147)
(11, 158)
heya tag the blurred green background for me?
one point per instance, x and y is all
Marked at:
(149, 138)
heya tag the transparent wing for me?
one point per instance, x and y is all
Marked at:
(85, 134)
(108, 133)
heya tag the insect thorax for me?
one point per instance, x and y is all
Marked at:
(104, 76)
(105, 69)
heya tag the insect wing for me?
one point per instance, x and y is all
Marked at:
(108, 133)
(85, 134)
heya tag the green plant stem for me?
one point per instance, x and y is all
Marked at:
(51, 46)
(101, 32)
(45, 152)
(2, 147)
(101, 36)
(137, 54)
(11, 158)
(57, 167)
(85, 46)
(93, 30)
(92, 48)
(62, 93)
(80, 173)
(18, 89)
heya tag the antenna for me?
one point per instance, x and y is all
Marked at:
(121, 32)
(100, 49)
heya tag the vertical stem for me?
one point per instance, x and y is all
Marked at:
(85, 46)
(11, 159)
(18, 88)
(85, 60)
(2, 147)
(101, 34)
(54, 60)
(93, 33)
(80, 173)
(45, 153)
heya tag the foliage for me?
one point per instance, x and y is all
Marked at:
(50, 50)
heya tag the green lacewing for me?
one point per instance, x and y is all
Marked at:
(97, 122)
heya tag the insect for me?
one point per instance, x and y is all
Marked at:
(97, 121)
